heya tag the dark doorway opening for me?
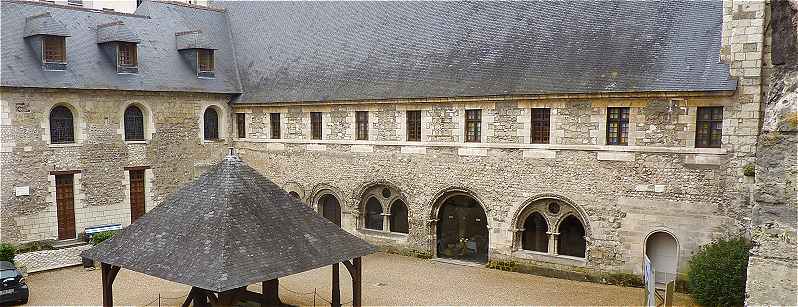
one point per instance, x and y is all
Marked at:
(571, 241)
(462, 230)
(330, 208)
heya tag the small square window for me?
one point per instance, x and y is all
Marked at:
(709, 127)
(54, 48)
(205, 63)
(617, 126)
(127, 55)
(540, 125)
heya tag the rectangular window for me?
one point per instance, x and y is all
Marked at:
(315, 125)
(65, 206)
(617, 126)
(127, 56)
(362, 125)
(274, 119)
(414, 126)
(241, 125)
(137, 202)
(54, 49)
(709, 127)
(540, 125)
(205, 60)
(473, 126)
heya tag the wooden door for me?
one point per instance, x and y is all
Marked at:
(137, 205)
(65, 206)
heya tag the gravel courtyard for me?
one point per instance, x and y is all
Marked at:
(387, 280)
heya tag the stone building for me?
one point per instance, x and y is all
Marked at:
(551, 134)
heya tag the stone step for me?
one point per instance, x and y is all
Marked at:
(69, 243)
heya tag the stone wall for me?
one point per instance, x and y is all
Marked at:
(174, 152)
(774, 260)
(626, 192)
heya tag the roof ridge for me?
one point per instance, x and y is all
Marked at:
(188, 5)
(75, 8)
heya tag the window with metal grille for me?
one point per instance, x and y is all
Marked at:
(274, 119)
(473, 126)
(362, 125)
(62, 126)
(414, 126)
(211, 124)
(315, 125)
(205, 60)
(540, 125)
(134, 124)
(241, 125)
(617, 126)
(709, 127)
(54, 49)
(126, 56)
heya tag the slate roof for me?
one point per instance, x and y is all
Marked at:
(229, 228)
(193, 40)
(317, 51)
(321, 51)
(115, 31)
(161, 66)
(44, 24)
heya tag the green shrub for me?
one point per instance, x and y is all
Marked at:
(717, 273)
(97, 238)
(624, 279)
(508, 265)
(34, 246)
(7, 252)
(749, 170)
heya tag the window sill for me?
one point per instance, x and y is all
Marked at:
(64, 145)
(382, 234)
(546, 257)
(137, 142)
(213, 141)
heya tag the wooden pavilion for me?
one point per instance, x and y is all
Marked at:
(230, 228)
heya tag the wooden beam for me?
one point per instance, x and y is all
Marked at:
(348, 266)
(357, 281)
(108, 276)
(271, 289)
(336, 287)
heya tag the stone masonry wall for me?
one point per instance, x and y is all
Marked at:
(174, 151)
(625, 192)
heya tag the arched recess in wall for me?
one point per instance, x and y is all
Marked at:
(553, 224)
(295, 190)
(382, 207)
(328, 202)
(662, 250)
(460, 226)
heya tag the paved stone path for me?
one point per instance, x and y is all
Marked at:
(51, 259)
(388, 280)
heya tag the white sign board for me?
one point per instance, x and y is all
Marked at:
(648, 280)
(22, 191)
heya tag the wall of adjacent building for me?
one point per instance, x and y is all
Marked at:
(660, 182)
(174, 152)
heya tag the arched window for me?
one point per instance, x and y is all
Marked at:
(211, 121)
(330, 208)
(134, 124)
(294, 194)
(535, 237)
(373, 214)
(62, 126)
(571, 241)
(399, 217)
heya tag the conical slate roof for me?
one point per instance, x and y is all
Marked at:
(229, 228)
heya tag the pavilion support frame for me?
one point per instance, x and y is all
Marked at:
(355, 269)
(108, 276)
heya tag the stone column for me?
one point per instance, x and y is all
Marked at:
(553, 242)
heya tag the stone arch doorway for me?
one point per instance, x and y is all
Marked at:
(662, 249)
(462, 229)
(330, 208)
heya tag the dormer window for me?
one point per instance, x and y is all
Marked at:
(205, 63)
(54, 49)
(126, 57)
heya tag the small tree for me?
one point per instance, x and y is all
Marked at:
(717, 273)
(7, 252)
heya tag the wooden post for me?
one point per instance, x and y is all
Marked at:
(270, 293)
(336, 287)
(108, 275)
(357, 282)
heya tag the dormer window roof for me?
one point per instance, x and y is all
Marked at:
(198, 51)
(120, 44)
(47, 38)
